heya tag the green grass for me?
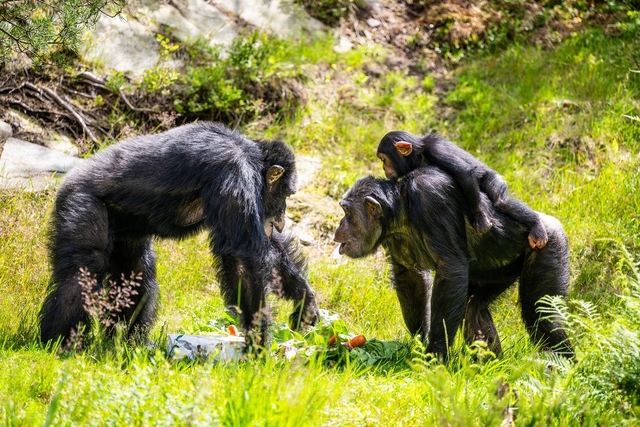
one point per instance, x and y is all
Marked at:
(578, 161)
(23, 275)
(554, 124)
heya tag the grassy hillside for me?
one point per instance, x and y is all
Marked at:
(562, 125)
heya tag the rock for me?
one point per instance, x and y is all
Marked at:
(344, 45)
(190, 19)
(128, 43)
(62, 143)
(50, 139)
(123, 45)
(5, 133)
(279, 17)
(307, 168)
(31, 166)
(373, 23)
(374, 6)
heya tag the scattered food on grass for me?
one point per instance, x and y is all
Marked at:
(357, 341)
(233, 331)
(332, 340)
(320, 340)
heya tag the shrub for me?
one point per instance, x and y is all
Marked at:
(252, 77)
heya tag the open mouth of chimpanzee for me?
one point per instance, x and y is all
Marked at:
(343, 246)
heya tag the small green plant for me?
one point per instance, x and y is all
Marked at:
(161, 77)
(104, 305)
(428, 83)
(632, 24)
(115, 80)
(166, 47)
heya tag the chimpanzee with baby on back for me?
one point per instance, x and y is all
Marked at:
(426, 222)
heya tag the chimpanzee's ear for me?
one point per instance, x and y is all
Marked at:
(274, 173)
(373, 207)
(404, 148)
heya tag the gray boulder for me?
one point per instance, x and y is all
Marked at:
(127, 42)
(24, 165)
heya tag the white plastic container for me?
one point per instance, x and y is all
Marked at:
(207, 347)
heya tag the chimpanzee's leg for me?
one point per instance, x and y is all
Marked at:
(414, 294)
(518, 210)
(546, 272)
(478, 324)
(494, 186)
(80, 237)
(467, 180)
(138, 257)
(485, 286)
(291, 280)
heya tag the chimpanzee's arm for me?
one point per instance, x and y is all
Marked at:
(414, 294)
(291, 275)
(449, 302)
(438, 212)
(493, 185)
(243, 285)
(235, 213)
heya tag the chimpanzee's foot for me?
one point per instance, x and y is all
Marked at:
(538, 236)
(500, 204)
(481, 223)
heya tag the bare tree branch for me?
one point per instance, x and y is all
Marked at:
(66, 106)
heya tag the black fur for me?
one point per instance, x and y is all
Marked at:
(291, 280)
(172, 185)
(472, 175)
(421, 223)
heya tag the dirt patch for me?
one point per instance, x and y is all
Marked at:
(313, 216)
(420, 32)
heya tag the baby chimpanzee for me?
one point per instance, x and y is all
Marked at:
(401, 152)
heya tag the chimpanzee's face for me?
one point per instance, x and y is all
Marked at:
(360, 228)
(280, 185)
(280, 182)
(387, 165)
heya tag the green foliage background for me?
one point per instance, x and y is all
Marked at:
(39, 27)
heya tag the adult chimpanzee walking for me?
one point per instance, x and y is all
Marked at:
(422, 223)
(173, 185)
